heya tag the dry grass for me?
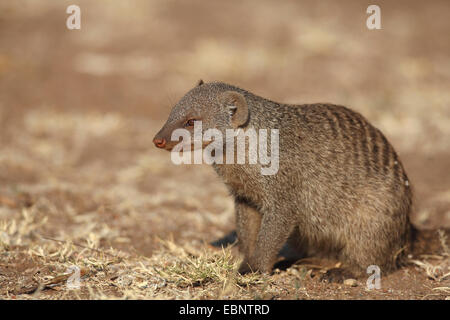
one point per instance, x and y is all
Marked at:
(172, 272)
(437, 266)
(41, 266)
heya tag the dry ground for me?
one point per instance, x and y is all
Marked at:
(81, 184)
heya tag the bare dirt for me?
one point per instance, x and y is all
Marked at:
(81, 184)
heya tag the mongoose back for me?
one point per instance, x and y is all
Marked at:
(341, 190)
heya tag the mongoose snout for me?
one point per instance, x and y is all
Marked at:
(340, 189)
(159, 142)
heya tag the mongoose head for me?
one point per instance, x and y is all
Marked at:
(217, 105)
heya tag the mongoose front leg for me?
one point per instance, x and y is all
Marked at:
(274, 231)
(248, 222)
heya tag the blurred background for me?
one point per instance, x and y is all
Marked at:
(78, 108)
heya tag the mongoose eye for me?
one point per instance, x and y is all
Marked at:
(189, 123)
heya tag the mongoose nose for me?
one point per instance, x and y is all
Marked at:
(160, 143)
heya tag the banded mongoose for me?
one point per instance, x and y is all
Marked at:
(341, 190)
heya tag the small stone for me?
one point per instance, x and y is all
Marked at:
(293, 272)
(350, 282)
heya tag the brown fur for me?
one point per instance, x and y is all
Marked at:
(340, 191)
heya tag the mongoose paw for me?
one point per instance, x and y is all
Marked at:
(336, 275)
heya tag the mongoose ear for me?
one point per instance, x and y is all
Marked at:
(236, 107)
(199, 83)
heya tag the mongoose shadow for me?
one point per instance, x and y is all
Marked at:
(423, 242)
(288, 254)
(340, 190)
